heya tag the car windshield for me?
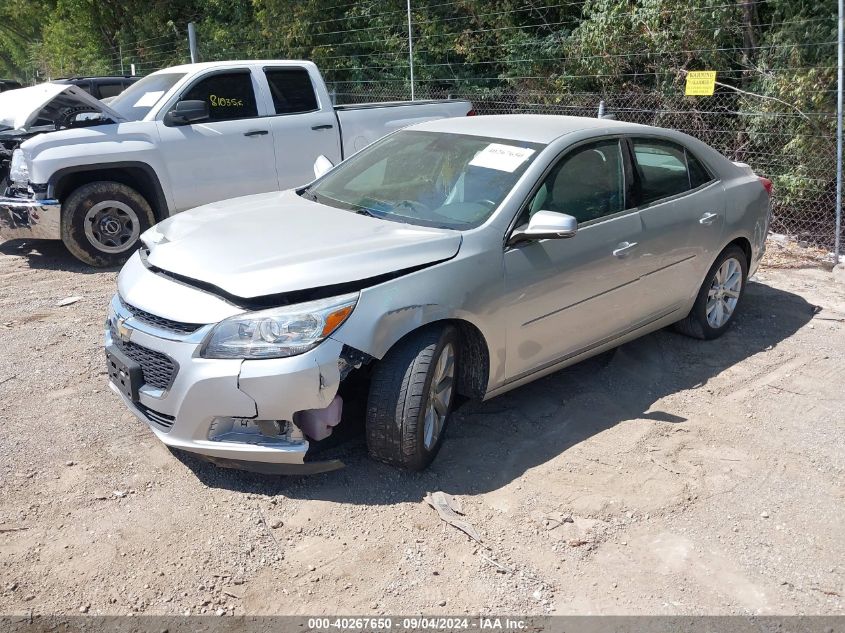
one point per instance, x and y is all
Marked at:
(137, 100)
(450, 181)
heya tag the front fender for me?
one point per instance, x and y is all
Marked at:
(92, 148)
(465, 289)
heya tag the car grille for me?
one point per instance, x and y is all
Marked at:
(160, 322)
(159, 369)
(162, 420)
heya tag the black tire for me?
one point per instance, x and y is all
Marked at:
(399, 396)
(130, 212)
(695, 324)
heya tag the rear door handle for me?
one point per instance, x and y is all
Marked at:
(708, 218)
(325, 126)
(623, 249)
(256, 133)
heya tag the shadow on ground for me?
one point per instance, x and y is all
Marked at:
(48, 255)
(490, 444)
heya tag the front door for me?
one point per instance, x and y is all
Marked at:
(568, 295)
(228, 155)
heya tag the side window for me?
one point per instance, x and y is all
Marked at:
(588, 183)
(292, 90)
(110, 89)
(228, 95)
(662, 167)
(698, 174)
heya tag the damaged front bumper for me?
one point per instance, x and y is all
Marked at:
(235, 413)
(30, 218)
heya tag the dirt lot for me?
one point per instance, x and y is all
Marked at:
(699, 478)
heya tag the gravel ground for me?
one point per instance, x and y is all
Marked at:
(675, 477)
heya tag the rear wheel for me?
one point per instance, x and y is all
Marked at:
(102, 221)
(411, 396)
(719, 296)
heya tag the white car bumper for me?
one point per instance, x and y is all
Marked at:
(233, 412)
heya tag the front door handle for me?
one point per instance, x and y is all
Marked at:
(256, 133)
(708, 218)
(623, 249)
(326, 126)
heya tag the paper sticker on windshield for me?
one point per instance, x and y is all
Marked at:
(148, 99)
(502, 157)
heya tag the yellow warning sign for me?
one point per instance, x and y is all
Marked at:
(701, 83)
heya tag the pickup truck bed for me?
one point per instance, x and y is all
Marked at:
(357, 121)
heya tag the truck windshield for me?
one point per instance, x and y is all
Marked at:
(452, 181)
(138, 99)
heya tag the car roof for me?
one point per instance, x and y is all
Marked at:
(186, 68)
(105, 77)
(533, 128)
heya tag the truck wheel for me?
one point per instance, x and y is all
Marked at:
(101, 222)
(411, 395)
(719, 296)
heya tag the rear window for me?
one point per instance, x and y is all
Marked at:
(662, 167)
(291, 89)
(109, 89)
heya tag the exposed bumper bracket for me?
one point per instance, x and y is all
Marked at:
(29, 218)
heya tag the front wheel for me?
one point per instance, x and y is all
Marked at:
(719, 296)
(411, 396)
(102, 221)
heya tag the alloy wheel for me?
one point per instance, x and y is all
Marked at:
(724, 292)
(439, 396)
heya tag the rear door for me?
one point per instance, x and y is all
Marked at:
(228, 155)
(682, 208)
(566, 296)
(302, 127)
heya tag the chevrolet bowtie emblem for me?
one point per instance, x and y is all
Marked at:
(123, 330)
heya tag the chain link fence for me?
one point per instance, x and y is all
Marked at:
(795, 150)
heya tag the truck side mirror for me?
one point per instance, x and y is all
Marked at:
(322, 165)
(187, 112)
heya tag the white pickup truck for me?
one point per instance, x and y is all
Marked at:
(178, 138)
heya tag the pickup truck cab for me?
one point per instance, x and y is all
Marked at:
(179, 138)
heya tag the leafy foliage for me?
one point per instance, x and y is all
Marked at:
(775, 61)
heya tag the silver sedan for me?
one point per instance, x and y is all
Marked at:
(455, 258)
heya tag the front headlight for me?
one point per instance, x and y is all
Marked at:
(19, 170)
(278, 332)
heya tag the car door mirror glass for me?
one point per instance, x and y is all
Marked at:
(187, 112)
(545, 225)
(322, 165)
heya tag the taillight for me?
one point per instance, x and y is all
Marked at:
(767, 184)
(472, 112)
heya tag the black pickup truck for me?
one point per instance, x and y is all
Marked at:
(9, 84)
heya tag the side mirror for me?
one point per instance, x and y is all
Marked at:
(187, 112)
(322, 165)
(545, 225)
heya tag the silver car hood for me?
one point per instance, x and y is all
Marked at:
(22, 108)
(278, 242)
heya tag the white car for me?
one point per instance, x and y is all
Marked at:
(464, 256)
(178, 138)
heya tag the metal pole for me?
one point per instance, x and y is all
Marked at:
(841, 39)
(120, 48)
(411, 49)
(192, 42)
